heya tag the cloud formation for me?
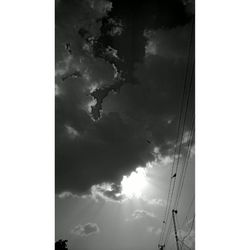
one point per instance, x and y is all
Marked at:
(140, 214)
(86, 229)
(66, 194)
(154, 230)
(107, 192)
(110, 102)
(156, 202)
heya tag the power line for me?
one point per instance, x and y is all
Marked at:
(185, 246)
(188, 211)
(171, 187)
(185, 165)
(180, 146)
(166, 213)
(190, 230)
(181, 139)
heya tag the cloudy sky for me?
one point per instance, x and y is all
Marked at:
(124, 71)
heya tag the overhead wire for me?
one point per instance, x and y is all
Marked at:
(190, 230)
(188, 211)
(177, 165)
(185, 165)
(185, 246)
(166, 214)
(180, 146)
(179, 192)
(168, 205)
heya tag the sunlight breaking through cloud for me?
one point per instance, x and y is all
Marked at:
(133, 185)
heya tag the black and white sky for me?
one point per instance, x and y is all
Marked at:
(120, 70)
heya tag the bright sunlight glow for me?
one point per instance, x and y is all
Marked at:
(133, 185)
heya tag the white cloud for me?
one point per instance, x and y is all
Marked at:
(154, 230)
(72, 133)
(140, 214)
(62, 67)
(107, 192)
(67, 194)
(170, 43)
(57, 90)
(186, 137)
(192, 151)
(116, 31)
(86, 229)
(117, 27)
(112, 192)
(151, 44)
(101, 6)
(112, 52)
(156, 202)
(99, 192)
(91, 104)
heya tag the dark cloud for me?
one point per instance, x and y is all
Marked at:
(106, 150)
(110, 98)
(133, 51)
(100, 94)
(86, 229)
(171, 43)
(155, 103)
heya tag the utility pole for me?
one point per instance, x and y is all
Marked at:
(175, 230)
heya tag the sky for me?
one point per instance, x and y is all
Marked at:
(120, 71)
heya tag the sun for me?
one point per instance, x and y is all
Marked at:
(134, 184)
